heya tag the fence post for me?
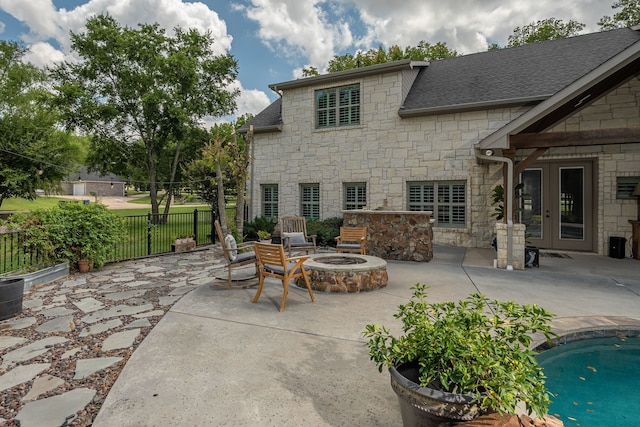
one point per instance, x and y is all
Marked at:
(195, 226)
(149, 215)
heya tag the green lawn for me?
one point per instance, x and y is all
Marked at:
(19, 204)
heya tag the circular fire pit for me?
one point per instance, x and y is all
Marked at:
(345, 273)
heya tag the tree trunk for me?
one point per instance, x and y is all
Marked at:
(222, 215)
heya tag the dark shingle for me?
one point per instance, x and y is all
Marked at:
(267, 119)
(515, 75)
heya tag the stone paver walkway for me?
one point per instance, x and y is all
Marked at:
(61, 355)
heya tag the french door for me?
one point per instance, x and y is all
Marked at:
(557, 205)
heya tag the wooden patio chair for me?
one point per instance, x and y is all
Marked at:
(352, 239)
(294, 235)
(272, 262)
(236, 256)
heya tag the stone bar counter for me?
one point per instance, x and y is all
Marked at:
(395, 235)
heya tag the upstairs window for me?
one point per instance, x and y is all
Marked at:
(338, 107)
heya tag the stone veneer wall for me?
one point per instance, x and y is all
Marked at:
(386, 152)
(403, 236)
(518, 242)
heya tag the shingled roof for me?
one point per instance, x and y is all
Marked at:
(520, 75)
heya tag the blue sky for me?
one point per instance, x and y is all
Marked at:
(273, 40)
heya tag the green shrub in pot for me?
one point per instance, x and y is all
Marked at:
(477, 346)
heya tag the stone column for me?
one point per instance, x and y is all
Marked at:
(518, 242)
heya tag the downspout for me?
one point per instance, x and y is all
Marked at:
(488, 155)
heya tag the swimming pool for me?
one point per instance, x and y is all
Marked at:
(595, 382)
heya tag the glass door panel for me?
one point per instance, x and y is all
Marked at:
(571, 203)
(531, 202)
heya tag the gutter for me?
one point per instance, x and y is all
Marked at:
(488, 155)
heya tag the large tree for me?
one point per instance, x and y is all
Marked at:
(422, 52)
(139, 93)
(34, 154)
(627, 16)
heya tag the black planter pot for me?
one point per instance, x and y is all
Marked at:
(428, 407)
(11, 292)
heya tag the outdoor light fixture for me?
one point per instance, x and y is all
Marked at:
(636, 192)
(489, 152)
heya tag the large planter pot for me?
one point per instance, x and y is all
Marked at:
(428, 407)
(11, 292)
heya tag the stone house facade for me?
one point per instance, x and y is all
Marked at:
(438, 136)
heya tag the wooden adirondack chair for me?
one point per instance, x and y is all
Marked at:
(294, 235)
(236, 256)
(272, 262)
(352, 239)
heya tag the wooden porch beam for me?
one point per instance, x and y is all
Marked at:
(575, 138)
(522, 165)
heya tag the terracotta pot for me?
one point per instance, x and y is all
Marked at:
(83, 266)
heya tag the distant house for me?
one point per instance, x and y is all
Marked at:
(88, 183)
(562, 116)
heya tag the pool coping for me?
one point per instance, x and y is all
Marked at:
(569, 329)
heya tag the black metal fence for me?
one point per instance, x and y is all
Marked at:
(147, 235)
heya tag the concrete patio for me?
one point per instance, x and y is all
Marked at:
(216, 359)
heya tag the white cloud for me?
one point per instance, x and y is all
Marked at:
(48, 24)
(300, 28)
(315, 30)
(42, 54)
(2, 27)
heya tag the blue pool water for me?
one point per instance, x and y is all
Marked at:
(595, 382)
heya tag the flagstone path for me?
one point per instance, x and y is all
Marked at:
(62, 354)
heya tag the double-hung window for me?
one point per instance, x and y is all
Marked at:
(270, 200)
(310, 201)
(338, 107)
(446, 199)
(355, 196)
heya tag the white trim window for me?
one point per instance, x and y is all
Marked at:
(338, 107)
(446, 199)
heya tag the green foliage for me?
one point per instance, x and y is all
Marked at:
(546, 29)
(260, 223)
(422, 52)
(140, 94)
(497, 197)
(475, 346)
(34, 154)
(628, 16)
(326, 230)
(72, 231)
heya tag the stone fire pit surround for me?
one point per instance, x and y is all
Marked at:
(395, 235)
(358, 273)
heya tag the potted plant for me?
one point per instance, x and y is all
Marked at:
(459, 360)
